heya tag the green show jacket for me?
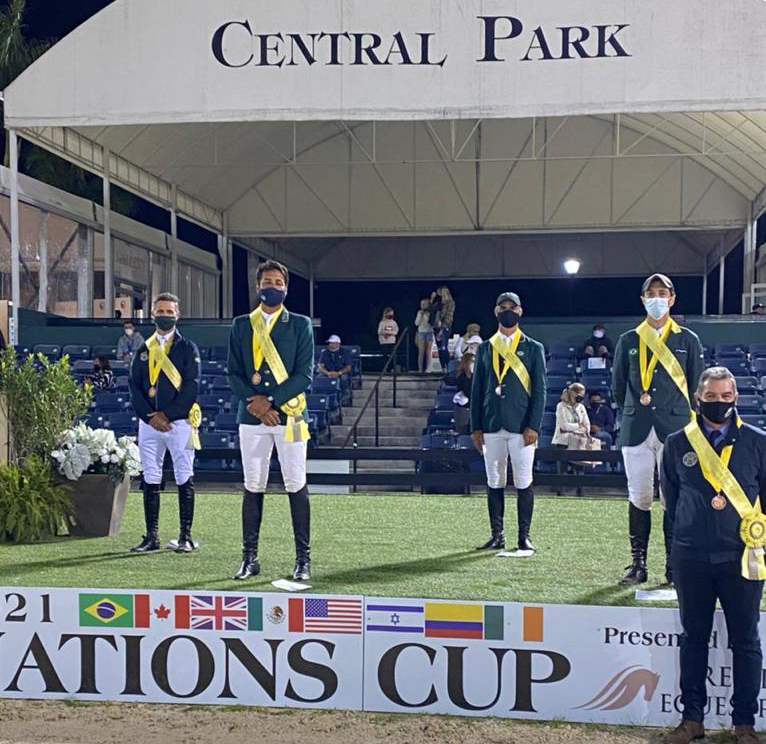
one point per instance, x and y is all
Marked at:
(514, 411)
(669, 409)
(293, 338)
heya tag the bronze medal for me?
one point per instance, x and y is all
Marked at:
(499, 390)
(645, 399)
(256, 378)
(152, 391)
(718, 502)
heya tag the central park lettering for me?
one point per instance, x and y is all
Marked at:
(237, 44)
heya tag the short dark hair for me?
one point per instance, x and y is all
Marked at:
(594, 393)
(103, 362)
(272, 265)
(165, 297)
(126, 323)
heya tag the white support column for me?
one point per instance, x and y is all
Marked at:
(108, 246)
(15, 244)
(750, 254)
(704, 288)
(174, 234)
(721, 279)
(227, 288)
(311, 290)
(42, 253)
(85, 272)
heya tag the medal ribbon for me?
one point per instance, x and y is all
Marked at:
(296, 429)
(660, 352)
(752, 528)
(159, 361)
(257, 347)
(512, 361)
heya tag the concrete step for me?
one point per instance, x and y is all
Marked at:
(385, 441)
(389, 431)
(409, 412)
(385, 466)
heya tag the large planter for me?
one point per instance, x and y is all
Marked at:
(98, 505)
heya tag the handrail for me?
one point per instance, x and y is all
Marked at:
(374, 391)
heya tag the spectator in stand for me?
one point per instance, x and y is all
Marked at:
(572, 426)
(425, 335)
(388, 330)
(335, 361)
(601, 419)
(598, 345)
(129, 343)
(101, 376)
(462, 398)
(471, 330)
(442, 317)
(758, 309)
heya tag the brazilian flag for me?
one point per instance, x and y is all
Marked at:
(98, 610)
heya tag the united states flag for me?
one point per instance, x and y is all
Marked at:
(325, 616)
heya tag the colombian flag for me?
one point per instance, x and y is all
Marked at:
(445, 620)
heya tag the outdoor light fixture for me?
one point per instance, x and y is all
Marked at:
(572, 266)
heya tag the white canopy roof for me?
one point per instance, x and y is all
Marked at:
(359, 118)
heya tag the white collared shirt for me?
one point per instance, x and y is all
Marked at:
(162, 340)
(509, 339)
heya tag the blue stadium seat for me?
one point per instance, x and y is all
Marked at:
(442, 441)
(216, 440)
(77, 352)
(738, 367)
(750, 404)
(425, 441)
(204, 353)
(82, 367)
(757, 351)
(95, 421)
(595, 380)
(558, 382)
(444, 400)
(545, 466)
(110, 352)
(325, 385)
(123, 421)
(212, 368)
(119, 366)
(551, 402)
(226, 422)
(219, 353)
(759, 368)
(441, 419)
(220, 384)
(316, 402)
(730, 348)
(120, 385)
(212, 400)
(52, 351)
(565, 367)
(321, 419)
(563, 351)
(730, 356)
(758, 421)
(549, 423)
(110, 402)
(747, 385)
(464, 441)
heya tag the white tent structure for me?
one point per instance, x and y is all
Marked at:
(631, 134)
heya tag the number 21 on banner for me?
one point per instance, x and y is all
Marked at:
(16, 611)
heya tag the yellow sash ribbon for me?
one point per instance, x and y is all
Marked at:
(257, 347)
(508, 352)
(661, 353)
(296, 429)
(752, 528)
(159, 361)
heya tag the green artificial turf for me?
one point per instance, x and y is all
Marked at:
(374, 545)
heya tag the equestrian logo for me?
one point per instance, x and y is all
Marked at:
(623, 689)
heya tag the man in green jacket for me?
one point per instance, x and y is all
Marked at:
(270, 366)
(653, 394)
(507, 405)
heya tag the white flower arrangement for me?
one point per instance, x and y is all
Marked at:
(85, 450)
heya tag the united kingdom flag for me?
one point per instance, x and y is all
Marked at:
(207, 612)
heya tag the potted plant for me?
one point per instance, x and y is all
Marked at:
(40, 400)
(97, 467)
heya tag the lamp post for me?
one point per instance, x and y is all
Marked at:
(571, 267)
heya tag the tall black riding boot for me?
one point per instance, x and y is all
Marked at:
(639, 528)
(151, 540)
(525, 505)
(667, 531)
(496, 509)
(252, 513)
(300, 511)
(186, 517)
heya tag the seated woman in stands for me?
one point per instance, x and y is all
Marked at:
(101, 376)
(572, 426)
(462, 398)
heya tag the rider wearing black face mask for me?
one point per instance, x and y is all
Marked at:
(507, 404)
(164, 383)
(270, 366)
(714, 481)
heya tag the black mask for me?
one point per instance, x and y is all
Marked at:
(165, 322)
(718, 412)
(579, 398)
(508, 319)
